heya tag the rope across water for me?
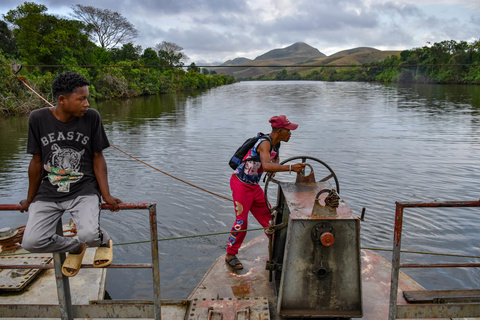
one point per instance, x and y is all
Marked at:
(171, 176)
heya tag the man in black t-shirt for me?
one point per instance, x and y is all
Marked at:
(67, 172)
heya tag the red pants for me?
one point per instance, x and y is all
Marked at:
(246, 197)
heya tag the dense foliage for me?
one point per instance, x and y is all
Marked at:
(444, 62)
(47, 45)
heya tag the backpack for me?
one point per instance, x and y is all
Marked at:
(238, 156)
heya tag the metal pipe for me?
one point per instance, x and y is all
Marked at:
(152, 209)
(50, 266)
(63, 284)
(397, 240)
(439, 204)
(105, 206)
(440, 265)
(9, 207)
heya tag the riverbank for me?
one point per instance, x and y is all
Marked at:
(120, 81)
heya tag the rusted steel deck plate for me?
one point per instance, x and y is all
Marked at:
(18, 279)
(376, 273)
(221, 308)
(220, 285)
(442, 296)
(300, 200)
(116, 309)
(88, 284)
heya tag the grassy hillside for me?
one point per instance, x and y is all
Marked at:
(359, 58)
(353, 51)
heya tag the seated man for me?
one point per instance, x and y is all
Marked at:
(67, 172)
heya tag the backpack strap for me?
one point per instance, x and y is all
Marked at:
(269, 140)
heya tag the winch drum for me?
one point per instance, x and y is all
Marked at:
(316, 257)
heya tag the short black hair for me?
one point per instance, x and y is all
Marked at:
(67, 82)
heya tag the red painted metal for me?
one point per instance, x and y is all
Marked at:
(440, 265)
(9, 207)
(327, 239)
(439, 204)
(51, 266)
(105, 206)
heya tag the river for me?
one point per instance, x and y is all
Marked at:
(386, 143)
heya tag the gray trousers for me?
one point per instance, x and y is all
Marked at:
(43, 216)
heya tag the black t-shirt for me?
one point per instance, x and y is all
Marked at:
(67, 150)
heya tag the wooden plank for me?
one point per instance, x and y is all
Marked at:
(442, 296)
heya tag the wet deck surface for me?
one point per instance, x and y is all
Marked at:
(222, 284)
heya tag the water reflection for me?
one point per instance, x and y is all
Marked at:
(386, 143)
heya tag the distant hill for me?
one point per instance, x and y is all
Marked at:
(236, 62)
(299, 53)
(353, 51)
(298, 50)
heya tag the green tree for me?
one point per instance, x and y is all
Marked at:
(193, 68)
(7, 42)
(45, 39)
(150, 58)
(171, 54)
(107, 27)
(282, 75)
(128, 52)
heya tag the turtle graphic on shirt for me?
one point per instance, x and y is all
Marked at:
(63, 166)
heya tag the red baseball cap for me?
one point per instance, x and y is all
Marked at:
(281, 121)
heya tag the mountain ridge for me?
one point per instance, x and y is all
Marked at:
(299, 54)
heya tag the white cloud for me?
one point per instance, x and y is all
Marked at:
(217, 30)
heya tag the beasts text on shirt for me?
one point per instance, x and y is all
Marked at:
(60, 136)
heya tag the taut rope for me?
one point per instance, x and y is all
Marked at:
(172, 176)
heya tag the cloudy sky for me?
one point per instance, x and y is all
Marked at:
(217, 30)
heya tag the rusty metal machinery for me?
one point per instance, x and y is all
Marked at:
(315, 248)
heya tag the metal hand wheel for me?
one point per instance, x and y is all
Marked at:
(302, 175)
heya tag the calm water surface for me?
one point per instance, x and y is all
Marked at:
(386, 143)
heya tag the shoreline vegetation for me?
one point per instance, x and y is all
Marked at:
(124, 80)
(117, 69)
(446, 62)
